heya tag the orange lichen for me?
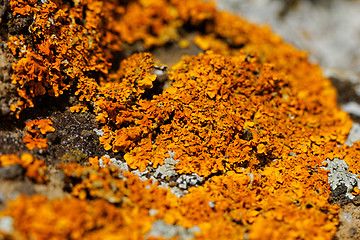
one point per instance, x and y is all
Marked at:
(213, 102)
(116, 102)
(251, 115)
(222, 208)
(95, 161)
(210, 42)
(34, 169)
(35, 130)
(61, 52)
(155, 22)
(196, 12)
(79, 108)
(38, 218)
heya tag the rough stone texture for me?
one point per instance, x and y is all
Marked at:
(8, 92)
(349, 223)
(74, 138)
(11, 172)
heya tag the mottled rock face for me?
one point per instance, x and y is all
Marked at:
(228, 141)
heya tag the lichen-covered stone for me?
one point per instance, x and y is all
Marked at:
(232, 147)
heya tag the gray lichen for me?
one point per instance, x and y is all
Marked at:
(339, 175)
(117, 163)
(183, 181)
(165, 175)
(167, 170)
(143, 176)
(189, 180)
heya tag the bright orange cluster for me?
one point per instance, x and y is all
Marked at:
(251, 115)
(121, 104)
(351, 155)
(68, 45)
(41, 219)
(34, 169)
(35, 130)
(219, 114)
(57, 53)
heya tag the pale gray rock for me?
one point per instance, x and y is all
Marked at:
(354, 134)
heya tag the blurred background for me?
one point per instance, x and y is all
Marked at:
(329, 30)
